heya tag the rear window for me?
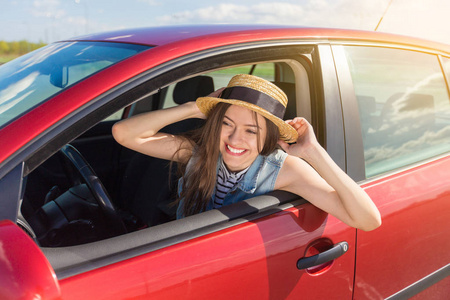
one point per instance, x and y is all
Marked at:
(404, 106)
(31, 79)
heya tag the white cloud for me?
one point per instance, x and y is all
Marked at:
(64, 18)
(278, 13)
(322, 13)
(425, 19)
(77, 21)
(150, 2)
(48, 9)
(211, 14)
(45, 3)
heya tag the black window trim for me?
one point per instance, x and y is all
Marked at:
(11, 193)
(330, 107)
(355, 164)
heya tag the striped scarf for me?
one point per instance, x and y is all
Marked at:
(226, 180)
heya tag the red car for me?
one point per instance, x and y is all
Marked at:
(84, 218)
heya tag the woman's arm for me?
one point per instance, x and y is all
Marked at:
(141, 132)
(318, 179)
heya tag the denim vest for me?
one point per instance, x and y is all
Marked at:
(259, 179)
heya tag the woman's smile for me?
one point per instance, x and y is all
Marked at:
(234, 151)
(239, 137)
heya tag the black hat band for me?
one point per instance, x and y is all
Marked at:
(255, 97)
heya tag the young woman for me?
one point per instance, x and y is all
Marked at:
(237, 155)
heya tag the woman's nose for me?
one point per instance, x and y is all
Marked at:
(235, 136)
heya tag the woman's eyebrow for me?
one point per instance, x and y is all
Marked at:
(247, 125)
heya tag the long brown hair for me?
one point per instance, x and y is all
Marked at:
(199, 180)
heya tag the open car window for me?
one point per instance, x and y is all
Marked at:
(64, 210)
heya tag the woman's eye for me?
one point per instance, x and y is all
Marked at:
(226, 123)
(251, 131)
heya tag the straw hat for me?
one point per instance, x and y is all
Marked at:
(258, 95)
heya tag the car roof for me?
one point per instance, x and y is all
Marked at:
(158, 36)
(173, 42)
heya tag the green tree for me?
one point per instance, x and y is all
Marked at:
(14, 47)
(11, 50)
(24, 47)
(35, 46)
(4, 47)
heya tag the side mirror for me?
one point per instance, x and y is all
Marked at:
(25, 272)
(59, 76)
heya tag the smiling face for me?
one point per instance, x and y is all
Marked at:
(239, 137)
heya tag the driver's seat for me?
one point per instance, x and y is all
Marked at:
(146, 190)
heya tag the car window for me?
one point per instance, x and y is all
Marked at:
(35, 77)
(126, 176)
(52, 181)
(115, 116)
(404, 106)
(221, 77)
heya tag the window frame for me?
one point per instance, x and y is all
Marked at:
(11, 186)
(444, 71)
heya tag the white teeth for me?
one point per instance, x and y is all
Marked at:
(235, 150)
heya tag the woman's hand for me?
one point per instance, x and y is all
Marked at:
(322, 182)
(306, 141)
(196, 113)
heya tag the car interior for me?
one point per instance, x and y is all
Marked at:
(93, 188)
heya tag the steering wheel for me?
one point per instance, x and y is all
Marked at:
(95, 186)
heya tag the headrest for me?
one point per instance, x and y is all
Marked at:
(192, 88)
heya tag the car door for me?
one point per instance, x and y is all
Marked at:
(250, 256)
(252, 249)
(254, 259)
(397, 110)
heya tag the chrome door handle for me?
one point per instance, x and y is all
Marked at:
(324, 257)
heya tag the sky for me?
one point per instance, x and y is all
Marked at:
(51, 20)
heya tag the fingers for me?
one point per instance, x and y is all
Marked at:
(296, 120)
(299, 124)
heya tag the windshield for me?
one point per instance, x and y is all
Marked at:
(37, 76)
